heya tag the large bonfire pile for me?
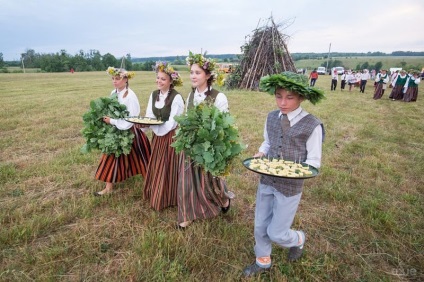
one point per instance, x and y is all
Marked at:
(266, 53)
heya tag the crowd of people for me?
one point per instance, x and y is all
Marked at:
(403, 84)
(173, 179)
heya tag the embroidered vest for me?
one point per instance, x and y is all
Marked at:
(210, 98)
(289, 145)
(164, 113)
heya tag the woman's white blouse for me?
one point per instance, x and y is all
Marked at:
(177, 108)
(133, 106)
(221, 101)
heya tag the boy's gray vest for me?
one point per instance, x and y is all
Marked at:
(290, 146)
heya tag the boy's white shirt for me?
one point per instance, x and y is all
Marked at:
(314, 150)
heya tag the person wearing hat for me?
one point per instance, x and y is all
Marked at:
(398, 83)
(411, 87)
(381, 80)
(116, 169)
(291, 134)
(165, 103)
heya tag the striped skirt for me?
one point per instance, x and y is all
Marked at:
(113, 170)
(200, 195)
(161, 182)
(397, 93)
(411, 94)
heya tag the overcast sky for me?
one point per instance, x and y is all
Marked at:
(145, 28)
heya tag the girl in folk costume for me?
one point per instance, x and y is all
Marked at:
(411, 87)
(200, 194)
(164, 104)
(116, 169)
(398, 83)
(381, 79)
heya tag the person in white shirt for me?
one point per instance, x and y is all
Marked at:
(351, 79)
(382, 79)
(365, 75)
(165, 103)
(114, 169)
(334, 79)
(292, 134)
(343, 80)
(200, 194)
(411, 87)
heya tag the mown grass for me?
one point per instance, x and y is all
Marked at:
(363, 214)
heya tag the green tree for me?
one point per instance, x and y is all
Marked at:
(1, 60)
(110, 61)
(378, 66)
(97, 61)
(365, 65)
(128, 62)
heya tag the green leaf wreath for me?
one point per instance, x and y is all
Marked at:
(209, 137)
(291, 81)
(102, 136)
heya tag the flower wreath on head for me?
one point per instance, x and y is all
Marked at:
(163, 66)
(206, 64)
(121, 72)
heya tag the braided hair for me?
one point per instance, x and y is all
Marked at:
(126, 88)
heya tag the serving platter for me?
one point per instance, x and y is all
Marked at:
(280, 168)
(144, 120)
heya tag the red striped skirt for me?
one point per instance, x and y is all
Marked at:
(162, 173)
(200, 195)
(113, 170)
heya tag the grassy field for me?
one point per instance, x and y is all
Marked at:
(363, 214)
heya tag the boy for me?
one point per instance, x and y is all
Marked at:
(292, 134)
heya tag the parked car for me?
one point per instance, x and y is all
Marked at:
(340, 70)
(321, 70)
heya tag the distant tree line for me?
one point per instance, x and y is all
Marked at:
(64, 62)
(94, 61)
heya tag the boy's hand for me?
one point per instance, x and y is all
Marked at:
(259, 155)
